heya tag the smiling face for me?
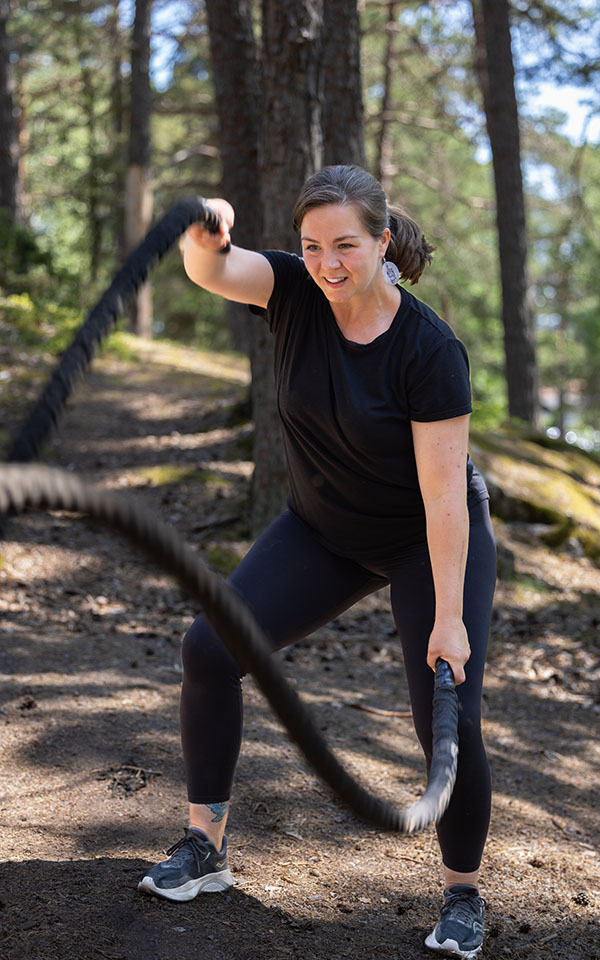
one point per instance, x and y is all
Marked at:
(341, 256)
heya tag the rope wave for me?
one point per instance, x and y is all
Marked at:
(24, 487)
(100, 321)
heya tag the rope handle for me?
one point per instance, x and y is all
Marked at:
(212, 222)
(444, 677)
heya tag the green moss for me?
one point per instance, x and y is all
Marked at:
(167, 473)
(565, 458)
(538, 485)
(123, 346)
(210, 476)
(223, 559)
(558, 534)
(575, 453)
(525, 582)
(590, 541)
(532, 481)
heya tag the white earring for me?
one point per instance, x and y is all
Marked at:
(390, 272)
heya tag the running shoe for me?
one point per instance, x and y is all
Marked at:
(194, 866)
(460, 930)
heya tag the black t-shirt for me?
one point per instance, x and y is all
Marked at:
(346, 410)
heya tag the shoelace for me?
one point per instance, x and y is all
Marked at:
(464, 906)
(198, 846)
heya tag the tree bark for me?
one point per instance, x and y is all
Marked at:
(384, 170)
(236, 77)
(292, 148)
(117, 125)
(10, 188)
(138, 189)
(263, 188)
(343, 115)
(92, 179)
(495, 69)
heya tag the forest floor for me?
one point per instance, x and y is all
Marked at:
(91, 783)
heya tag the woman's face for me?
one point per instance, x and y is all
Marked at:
(341, 256)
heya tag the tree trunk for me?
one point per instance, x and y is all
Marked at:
(292, 149)
(292, 139)
(138, 190)
(116, 110)
(384, 170)
(236, 78)
(92, 198)
(343, 128)
(496, 76)
(10, 189)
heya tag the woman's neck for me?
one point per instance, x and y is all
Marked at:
(363, 320)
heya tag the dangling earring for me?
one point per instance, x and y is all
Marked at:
(390, 272)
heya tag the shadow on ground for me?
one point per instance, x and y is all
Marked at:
(95, 907)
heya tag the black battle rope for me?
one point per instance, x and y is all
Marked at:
(101, 319)
(50, 489)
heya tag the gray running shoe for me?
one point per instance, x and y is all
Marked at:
(194, 866)
(460, 930)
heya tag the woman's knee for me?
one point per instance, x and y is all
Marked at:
(204, 655)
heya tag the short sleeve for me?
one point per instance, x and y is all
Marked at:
(438, 387)
(289, 275)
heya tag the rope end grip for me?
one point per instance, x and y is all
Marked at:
(444, 677)
(211, 222)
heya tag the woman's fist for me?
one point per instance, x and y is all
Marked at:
(202, 237)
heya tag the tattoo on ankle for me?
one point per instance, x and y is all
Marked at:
(219, 810)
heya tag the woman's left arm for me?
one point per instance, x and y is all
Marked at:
(441, 455)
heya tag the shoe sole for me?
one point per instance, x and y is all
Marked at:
(211, 883)
(450, 948)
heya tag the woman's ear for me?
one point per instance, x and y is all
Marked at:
(384, 242)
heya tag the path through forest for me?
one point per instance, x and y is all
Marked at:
(91, 783)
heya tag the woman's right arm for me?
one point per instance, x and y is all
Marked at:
(241, 275)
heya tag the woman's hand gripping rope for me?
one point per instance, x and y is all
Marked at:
(203, 234)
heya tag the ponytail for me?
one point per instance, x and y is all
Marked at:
(407, 248)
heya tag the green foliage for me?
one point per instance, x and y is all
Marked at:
(122, 346)
(437, 167)
(41, 324)
(184, 312)
(565, 273)
(23, 264)
(437, 177)
(48, 327)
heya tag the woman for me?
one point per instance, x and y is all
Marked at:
(374, 395)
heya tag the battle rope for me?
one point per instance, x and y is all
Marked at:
(50, 489)
(101, 319)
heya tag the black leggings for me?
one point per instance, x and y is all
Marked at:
(294, 585)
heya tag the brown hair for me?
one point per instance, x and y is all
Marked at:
(407, 248)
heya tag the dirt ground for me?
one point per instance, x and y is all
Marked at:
(91, 782)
